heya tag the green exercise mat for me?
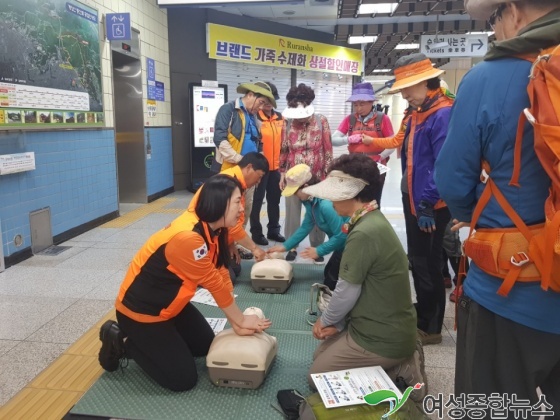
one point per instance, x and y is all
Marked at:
(131, 394)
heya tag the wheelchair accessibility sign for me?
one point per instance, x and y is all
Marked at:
(117, 26)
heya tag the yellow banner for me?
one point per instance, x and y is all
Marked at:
(234, 44)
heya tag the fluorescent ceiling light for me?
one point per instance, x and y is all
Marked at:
(381, 70)
(222, 2)
(363, 39)
(366, 9)
(489, 33)
(379, 81)
(407, 46)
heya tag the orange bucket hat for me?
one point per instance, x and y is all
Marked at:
(413, 69)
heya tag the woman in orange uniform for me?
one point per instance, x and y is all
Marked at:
(157, 325)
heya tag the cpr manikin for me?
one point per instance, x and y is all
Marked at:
(271, 276)
(241, 361)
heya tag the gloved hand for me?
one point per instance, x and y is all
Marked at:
(425, 214)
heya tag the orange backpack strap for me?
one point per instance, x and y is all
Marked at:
(485, 248)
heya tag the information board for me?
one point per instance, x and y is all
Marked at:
(206, 102)
(50, 64)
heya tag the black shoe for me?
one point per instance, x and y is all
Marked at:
(112, 347)
(291, 255)
(245, 254)
(260, 240)
(276, 237)
(319, 260)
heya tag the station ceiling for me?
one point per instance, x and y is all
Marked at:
(405, 25)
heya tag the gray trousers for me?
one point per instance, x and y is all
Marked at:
(293, 222)
(341, 352)
(249, 193)
(497, 355)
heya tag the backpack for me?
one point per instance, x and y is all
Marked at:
(527, 253)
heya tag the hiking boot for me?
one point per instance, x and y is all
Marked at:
(291, 255)
(260, 240)
(419, 374)
(447, 282)
(319, 261)
(112, 346)
(412, 373)
(276, 237)
(244, 254)
(428, 339)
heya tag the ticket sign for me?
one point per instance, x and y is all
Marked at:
(445, 46)
(234, 44)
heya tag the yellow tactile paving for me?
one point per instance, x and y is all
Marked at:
(69, 373)
(39, 404)
(57, 388)
(170, 211)
(135, 215)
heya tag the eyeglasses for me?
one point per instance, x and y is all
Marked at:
(497, 14)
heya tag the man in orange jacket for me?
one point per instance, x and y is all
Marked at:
(249, 171)
(272, 124)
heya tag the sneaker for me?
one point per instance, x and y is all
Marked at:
(260, 240)
(319, 260)
(276, 237)
(447, 282)
(428, 339)
(112, 346)
(291, 255)
(245, 254)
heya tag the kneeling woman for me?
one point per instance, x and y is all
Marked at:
(370, 320)
(158, 326)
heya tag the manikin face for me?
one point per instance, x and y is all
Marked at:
(233, 210)
(415, 95)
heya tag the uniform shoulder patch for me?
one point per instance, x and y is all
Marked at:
(200, 252)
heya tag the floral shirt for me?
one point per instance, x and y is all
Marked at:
(308, 143)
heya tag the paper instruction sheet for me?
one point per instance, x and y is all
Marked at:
(217, 324)
(349, 387)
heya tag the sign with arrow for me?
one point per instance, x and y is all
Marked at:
(454, 45)
(117, 26)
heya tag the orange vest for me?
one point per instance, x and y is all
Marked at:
(371, 128)
(271, 132)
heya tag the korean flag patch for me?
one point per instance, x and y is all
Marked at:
(199, 253)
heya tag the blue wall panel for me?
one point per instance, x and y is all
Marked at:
(159, 168)
(75, 176)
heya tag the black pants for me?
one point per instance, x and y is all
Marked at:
(332, 270)
(497, 355)
(425, 254)
(166, 350)
(269, 185)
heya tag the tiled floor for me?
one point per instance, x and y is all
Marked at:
(48, 302)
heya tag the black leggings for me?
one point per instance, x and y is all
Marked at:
(166, 350)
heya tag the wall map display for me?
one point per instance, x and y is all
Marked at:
(50, 64)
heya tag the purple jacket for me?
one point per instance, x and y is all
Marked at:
(430, 130)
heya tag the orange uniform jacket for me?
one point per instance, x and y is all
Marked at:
(271, 132)
(237, 232)
(164, 274)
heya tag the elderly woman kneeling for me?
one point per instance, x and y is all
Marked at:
(370, 320)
